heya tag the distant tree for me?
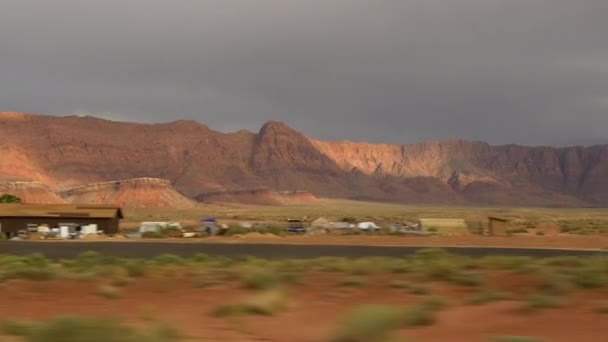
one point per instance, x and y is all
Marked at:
(8, 198)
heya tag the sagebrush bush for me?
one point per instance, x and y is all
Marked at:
(78, 329)
(168, 259)
(109, 292)
(418, 315)
(368, 323)
(467, 278)
(136, 268)
(541, 301)
(486, 296)
(435, 302)
(590, 277)
(265, 303)
(258, 278)
(353, 281)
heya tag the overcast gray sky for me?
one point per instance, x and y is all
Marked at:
(398, 71)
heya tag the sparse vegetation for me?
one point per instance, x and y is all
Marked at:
(418, 315)
(258, 278)
(266, 303)
(486, 296)
(8, 198)
(400, 284)
(517, 231)
(541, 301)
(77, 329)
(353, 281)
(514, 339)
(368, 323)
(109, 292)
(584, 226)
(265, 282)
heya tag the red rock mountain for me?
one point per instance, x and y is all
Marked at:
(66, 152)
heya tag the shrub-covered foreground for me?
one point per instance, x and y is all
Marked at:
(556, 275)
(266, 286)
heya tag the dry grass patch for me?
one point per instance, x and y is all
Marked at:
(368, 323)
(353, 281)
(486, 296)
(78, 329)
(265, 303)
(109, 292)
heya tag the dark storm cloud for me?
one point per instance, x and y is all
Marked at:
(524, 71)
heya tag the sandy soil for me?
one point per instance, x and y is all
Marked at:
(314, 309)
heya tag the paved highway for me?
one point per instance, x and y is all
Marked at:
(269, 251)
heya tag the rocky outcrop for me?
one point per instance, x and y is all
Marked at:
(130, 193)
(65, 152)
(30, 192)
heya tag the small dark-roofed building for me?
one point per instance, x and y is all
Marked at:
(497, 225)
(17, 217)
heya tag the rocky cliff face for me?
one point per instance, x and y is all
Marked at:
(130, 193)
(64, 152)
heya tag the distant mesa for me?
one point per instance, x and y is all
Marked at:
(257, 197)
(31, 192)
(130, 193)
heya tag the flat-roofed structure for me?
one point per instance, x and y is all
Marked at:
(497, 225)
(17, 217)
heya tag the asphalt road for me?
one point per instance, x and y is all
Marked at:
(269, 251)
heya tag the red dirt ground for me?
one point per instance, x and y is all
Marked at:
(314, 309)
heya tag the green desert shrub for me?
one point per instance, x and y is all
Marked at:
(508, 262)
(590, 277)
(121, 281)
(353, 281)
(514, 339)
(435, 302)
(168, 259)
(258, 278)
(467, 278)
(265, 303)
(368, 323)
(418, 315)
(542, 301)
(200, 258)
(77, 329)
(136, 268)
(88, 259)
(418, 289)
(554, 283)
(109, 292)
(486, 296)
